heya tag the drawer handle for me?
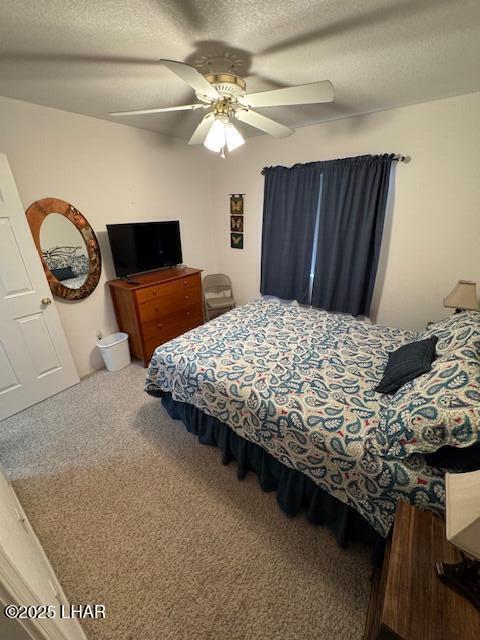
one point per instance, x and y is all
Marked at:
(187, 297)
(157, 309)
(185, 283)
(188, 313)
(154, 292)
(159, 326)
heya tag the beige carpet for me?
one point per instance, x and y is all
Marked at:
(136, 514)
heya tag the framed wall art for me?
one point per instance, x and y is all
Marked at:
(236, 240)
(236, 223)
(236, 220)
(236, 204)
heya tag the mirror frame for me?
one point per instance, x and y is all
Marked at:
(36, 214)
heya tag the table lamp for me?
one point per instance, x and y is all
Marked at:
(462, 296)
(463, 531)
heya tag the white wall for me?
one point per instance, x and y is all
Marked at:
(111, 173)
(432, 236)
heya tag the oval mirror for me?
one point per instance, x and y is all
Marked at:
(67, 246)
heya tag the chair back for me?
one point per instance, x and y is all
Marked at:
(217, 283)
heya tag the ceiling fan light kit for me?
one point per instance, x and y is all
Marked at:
(225, 95)
(222, 133)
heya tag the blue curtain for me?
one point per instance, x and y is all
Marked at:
(328, 215)
(350, 228)
(289, 213)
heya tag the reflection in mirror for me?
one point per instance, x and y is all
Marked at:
(64, 250)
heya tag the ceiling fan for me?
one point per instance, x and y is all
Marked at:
(224, 94)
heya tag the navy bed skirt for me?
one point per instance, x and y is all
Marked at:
(295, 491)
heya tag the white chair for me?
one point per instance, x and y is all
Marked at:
(218, 295)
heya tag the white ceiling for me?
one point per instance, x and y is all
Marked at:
(96, 56)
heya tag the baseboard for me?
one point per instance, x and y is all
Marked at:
(87, 374)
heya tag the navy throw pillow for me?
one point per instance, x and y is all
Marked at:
(406, 363)
(63, 273)
(456, 458)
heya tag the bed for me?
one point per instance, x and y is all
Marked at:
(59, 259)
(300, 384)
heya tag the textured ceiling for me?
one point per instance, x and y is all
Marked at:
(96, 56)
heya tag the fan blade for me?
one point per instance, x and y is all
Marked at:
(263, 123)
(192, 77)
(316, 92)
(184, 107)
(202, 129)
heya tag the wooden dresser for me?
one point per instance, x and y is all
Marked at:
(158, 307)
(409, 601)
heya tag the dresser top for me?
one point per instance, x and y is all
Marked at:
(418, 604)
(154, 277)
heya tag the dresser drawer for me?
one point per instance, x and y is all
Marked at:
(168, 324)
(168, 288)
(160, 307)
(156, 333)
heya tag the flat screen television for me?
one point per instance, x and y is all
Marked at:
(144, 246)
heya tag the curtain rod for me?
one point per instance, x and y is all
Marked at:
(396, 158)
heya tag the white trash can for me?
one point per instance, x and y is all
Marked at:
(115, 351)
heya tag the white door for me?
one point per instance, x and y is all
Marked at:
(26, 575)
(35, 361)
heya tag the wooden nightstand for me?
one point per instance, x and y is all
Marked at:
(408, 600)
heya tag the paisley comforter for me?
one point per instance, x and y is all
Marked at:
(299, 383)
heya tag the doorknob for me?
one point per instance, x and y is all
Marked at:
(46, 301)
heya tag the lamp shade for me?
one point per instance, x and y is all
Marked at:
(215, 140)
(463, 511)
(233, 136)
(462, 296)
